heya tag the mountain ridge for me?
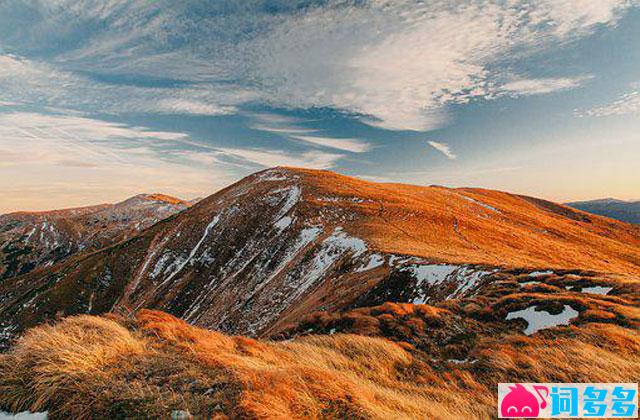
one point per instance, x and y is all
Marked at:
(29, 240)
(285, 242)
(623, 210)
(96, 207)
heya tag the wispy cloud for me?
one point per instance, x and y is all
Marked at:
(291, 128)
(36, 82)
(269, 158)
(187, 106)
(400, 64)
(542, 86)
(75, 126)
(627, 104)
(87, 157)
(396, 65)
(55, 160)
(348, 145)
(443, 148)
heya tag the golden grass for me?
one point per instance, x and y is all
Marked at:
(455, 225)
(55, 359)
(87, 366)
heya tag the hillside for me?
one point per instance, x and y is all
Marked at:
(409, 361)
(625, 211)
(283, 243)
(30, 240)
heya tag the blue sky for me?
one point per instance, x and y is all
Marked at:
(100, 100)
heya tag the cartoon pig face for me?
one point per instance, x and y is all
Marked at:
(521, 403)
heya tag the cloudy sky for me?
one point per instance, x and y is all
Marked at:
(103, 99)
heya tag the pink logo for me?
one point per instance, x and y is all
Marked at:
(521, 403)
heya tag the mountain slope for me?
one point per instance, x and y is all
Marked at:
(283, 243)
(29, 240)
(625, 211)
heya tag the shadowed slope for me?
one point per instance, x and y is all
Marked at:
(32, 240)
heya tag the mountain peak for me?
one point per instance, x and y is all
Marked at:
(260, 253)
(159, 197)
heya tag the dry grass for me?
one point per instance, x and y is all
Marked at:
(55, 359)
(87, 367)
(460, 226)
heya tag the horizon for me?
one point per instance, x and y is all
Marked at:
(101, 101)
(204, 196)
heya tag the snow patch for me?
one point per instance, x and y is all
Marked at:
(194, 250)
(161, 265)
(332, 249)
(293, 195)
(6, 331)
(524, 283)
(480, 203)
(375, 260)
(465, 277)
(597, 290)
(90, 307)
(25, 415)
(272, 176)
(540, 273)
(308, 234)
(283, 223)
(344, 199)
(538, 320)
(431, 275)
(29, 235)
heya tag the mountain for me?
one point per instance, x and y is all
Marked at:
(626, 211)
(29, 240)
(283, 243)
(409, 361)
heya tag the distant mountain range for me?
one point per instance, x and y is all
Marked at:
(625, 211)
(283, 243)
(30, 240)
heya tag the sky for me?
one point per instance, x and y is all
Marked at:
(104, 99)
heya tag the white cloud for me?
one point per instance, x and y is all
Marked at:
(396, 64)
(270, 158)
(28, 81)
(283, 130)
(76, 126)
(443, 148)
(290, 127)
(185, 106)
(574, 17)
(348, 145)
(401, 63)
(627, 104)
(49, 161)
(542, 86)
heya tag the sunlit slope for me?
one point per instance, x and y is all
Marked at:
(470, 225)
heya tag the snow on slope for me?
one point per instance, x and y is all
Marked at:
(25, 415)
(248, 280)
(538, 320)
(32, 240)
